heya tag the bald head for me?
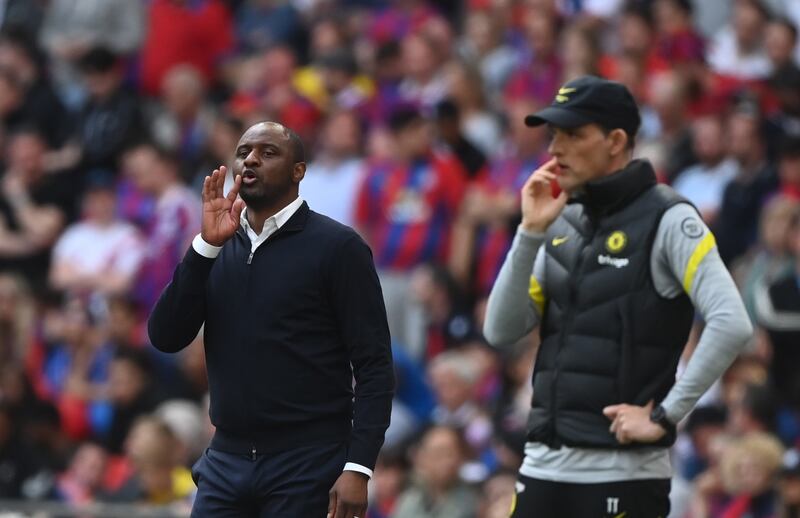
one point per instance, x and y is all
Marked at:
(294, 140)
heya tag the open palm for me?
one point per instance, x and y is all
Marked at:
(220, 213)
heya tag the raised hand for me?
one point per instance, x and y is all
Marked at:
(539, 207)
(220, 213)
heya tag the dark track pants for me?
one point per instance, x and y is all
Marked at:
(631, 499)
(287, 484)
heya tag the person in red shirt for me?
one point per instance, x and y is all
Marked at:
(405, 210)
(197, 32)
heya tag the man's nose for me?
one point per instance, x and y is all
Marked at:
(554, 149)
(251, 160)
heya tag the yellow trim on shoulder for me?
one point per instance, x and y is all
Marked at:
(537, 295)
(701, 250)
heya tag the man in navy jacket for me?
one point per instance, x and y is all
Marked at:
(292, 310)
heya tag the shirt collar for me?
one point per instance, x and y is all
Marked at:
(279, 218)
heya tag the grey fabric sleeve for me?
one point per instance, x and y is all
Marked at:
(685, 259)
(510, 311)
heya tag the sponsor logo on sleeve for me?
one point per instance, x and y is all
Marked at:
(692, 227)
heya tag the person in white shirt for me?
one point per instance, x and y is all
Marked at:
(100, 254)
(704, 183)
(333, 178)
(737, 50)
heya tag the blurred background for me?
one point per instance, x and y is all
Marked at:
(112, 112)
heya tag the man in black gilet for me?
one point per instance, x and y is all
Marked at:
(611, 270)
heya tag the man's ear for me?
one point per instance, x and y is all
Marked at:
(299, 171)
(619, 141)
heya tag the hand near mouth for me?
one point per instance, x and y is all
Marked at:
(220, 213)
(539, 207)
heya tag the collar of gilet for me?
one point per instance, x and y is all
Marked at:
(612, 193)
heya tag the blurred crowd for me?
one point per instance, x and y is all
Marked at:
(113, 111)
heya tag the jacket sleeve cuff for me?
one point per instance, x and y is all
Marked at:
(352, 466)
(206, 250)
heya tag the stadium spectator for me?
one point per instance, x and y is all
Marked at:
(263, 23)
(405, 210)
(40, 106)
(334, 176)
(424, 84)
(786, 86)
(131, 392)
(745, 482)
(771, 258)
(483, 43)
(437, 489)
(73, 27)
(173, 224)
(197, 33)
(755, 181)
(670, 147)
(780, 42)
(389, 480)
(704, 184)
(34, 208)
(157, 478)
(82, 481)
(677, 41)
(540, 69)
(451, 136)
(454, 378)
(183, 126)
(448, 323)
(478, 125)
(738, 49)
(99, 255)
(777, 308)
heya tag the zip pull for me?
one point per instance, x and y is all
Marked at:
(253, 453)
(250, 260)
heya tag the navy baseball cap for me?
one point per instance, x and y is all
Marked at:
(587, 100)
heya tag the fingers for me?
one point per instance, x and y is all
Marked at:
(221, 181)
(206, 193)
(332, 504)
(210, 186)
(551, 165)
(350, 511)
(612, 411)
(341, 509)
(237, 184)
(615, 424)
(236, 211)
(537, 182)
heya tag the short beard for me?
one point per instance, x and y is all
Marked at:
(262, 199)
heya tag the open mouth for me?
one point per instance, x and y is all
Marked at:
(249, 177)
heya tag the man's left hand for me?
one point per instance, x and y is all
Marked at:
(631, 423)
(348, 496)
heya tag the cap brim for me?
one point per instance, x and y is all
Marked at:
(556, 116)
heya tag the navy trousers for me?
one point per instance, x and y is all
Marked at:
(288, 484)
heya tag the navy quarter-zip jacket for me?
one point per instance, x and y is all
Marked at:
(283, 327)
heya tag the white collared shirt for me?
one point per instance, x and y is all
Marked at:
(271, 225)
